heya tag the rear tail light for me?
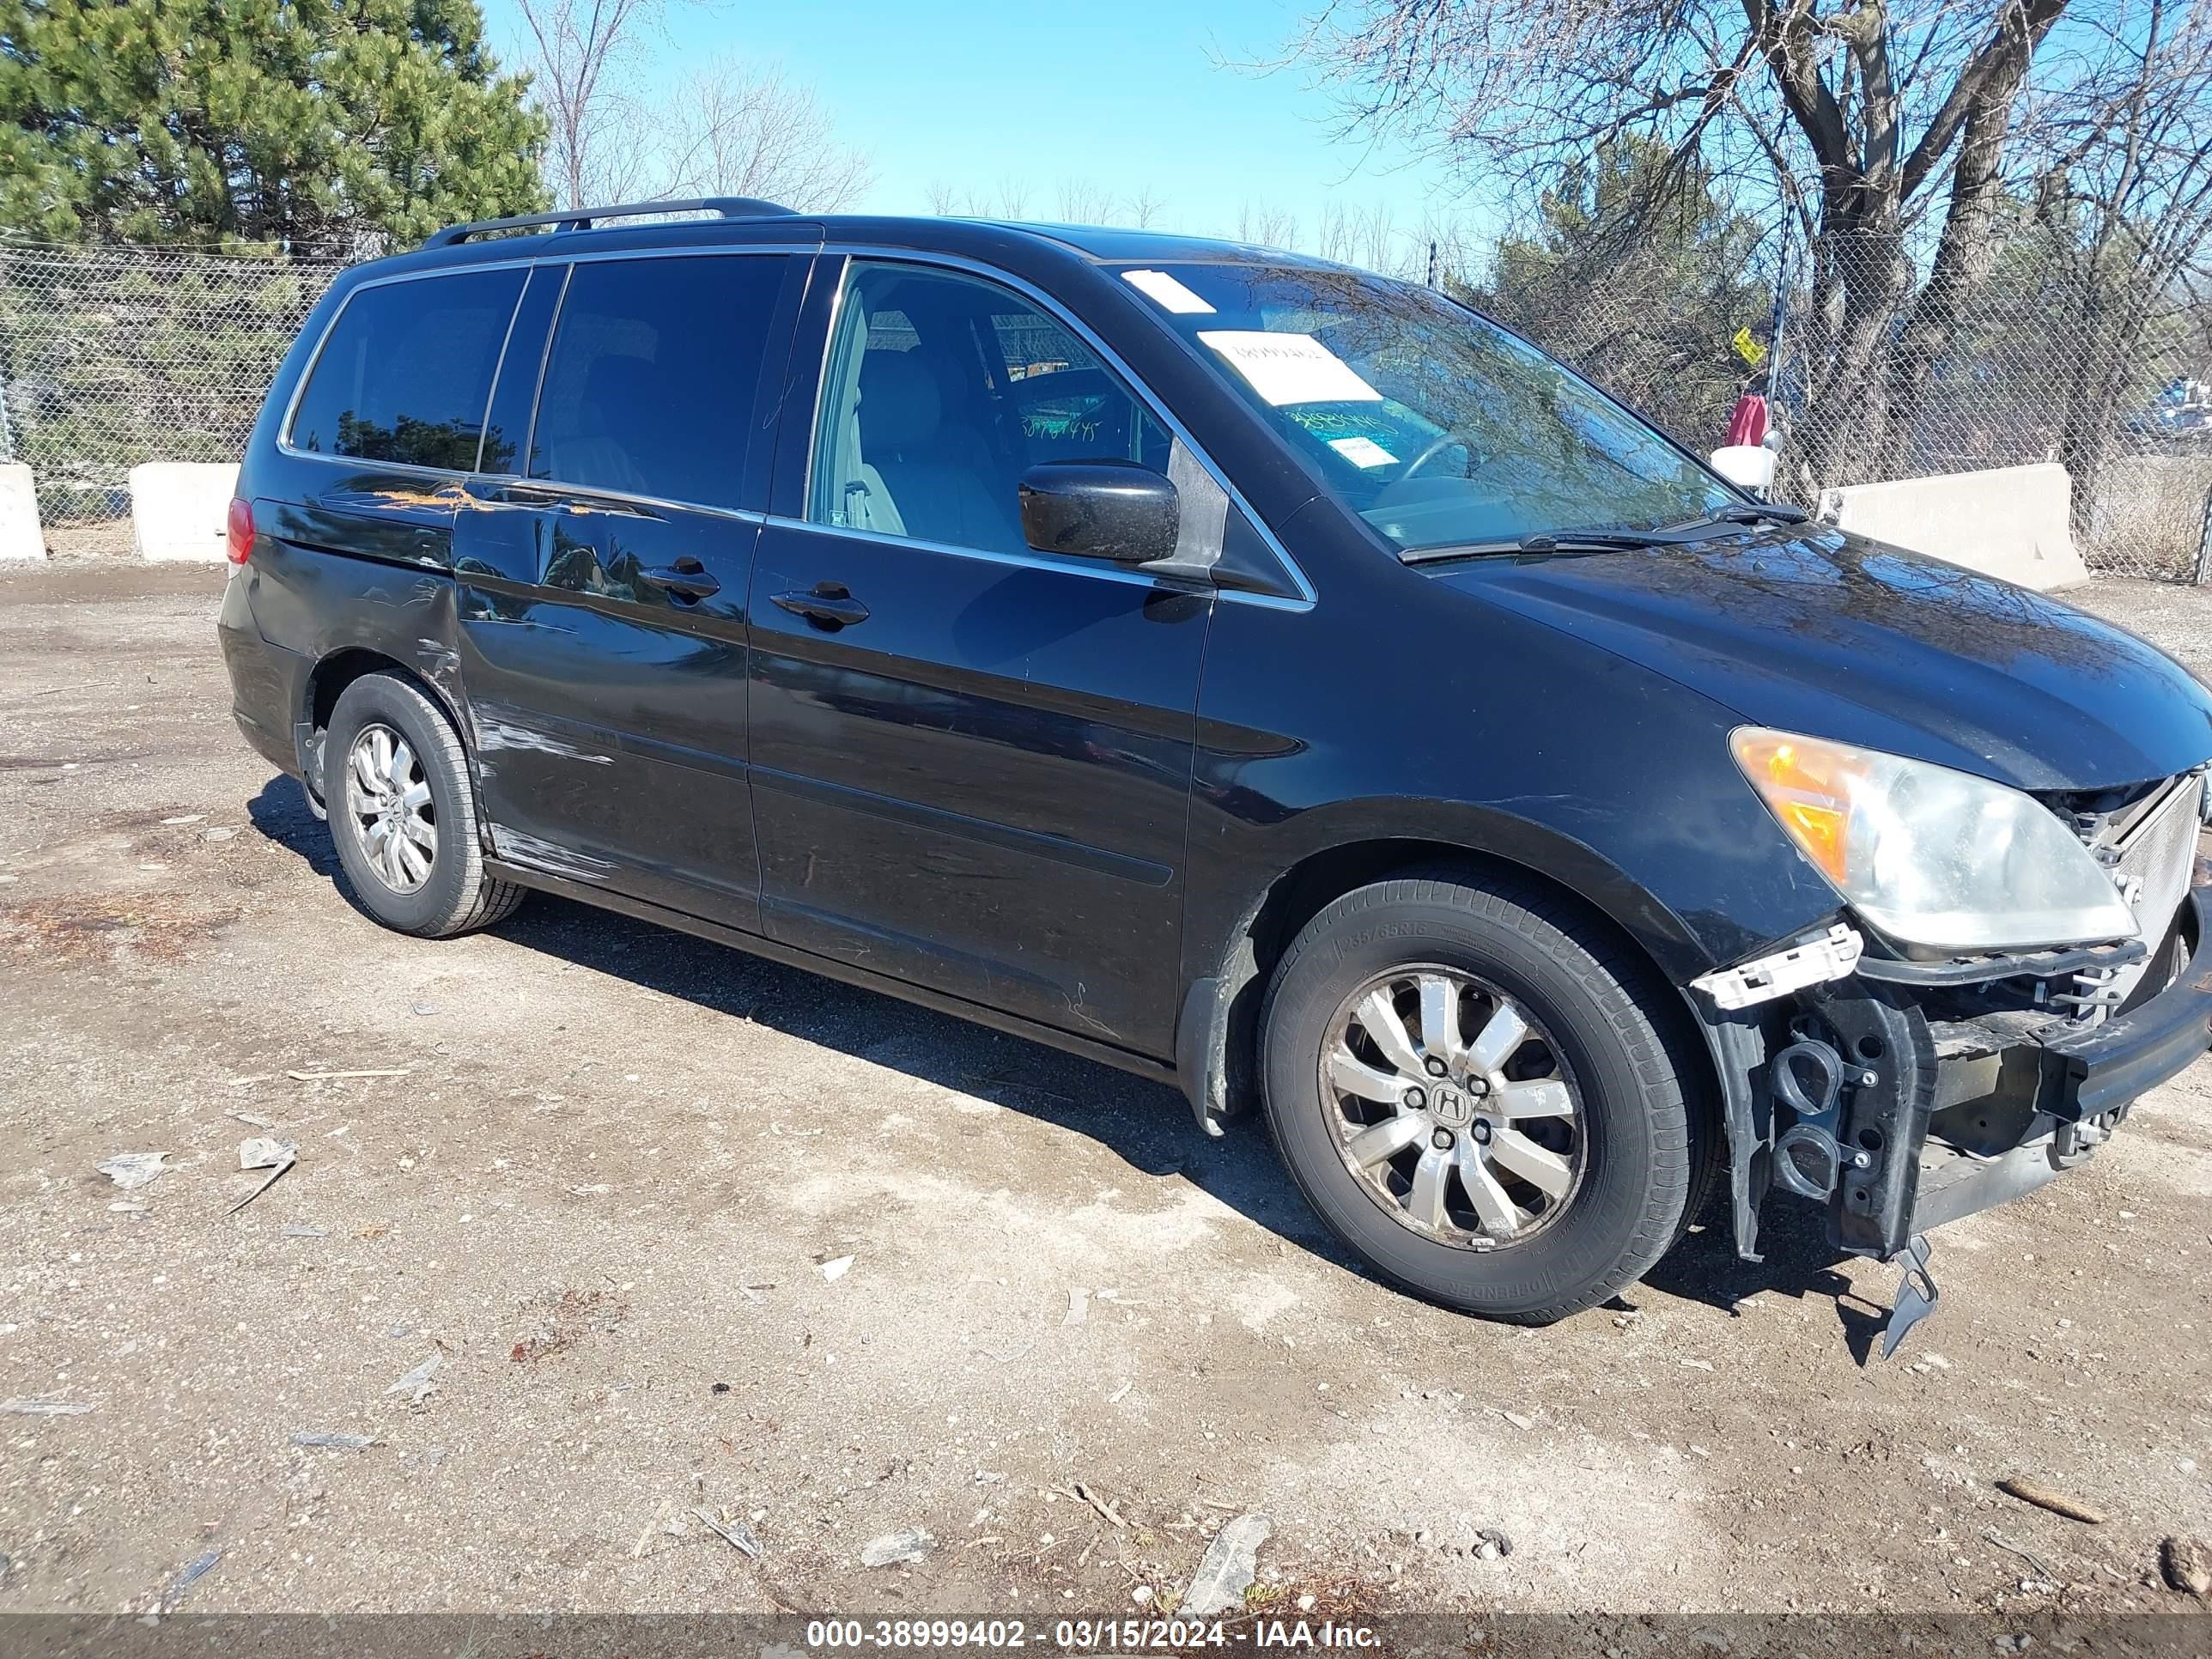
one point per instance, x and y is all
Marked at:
(238, 530)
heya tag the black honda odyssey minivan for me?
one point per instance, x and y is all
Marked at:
(1247, 670)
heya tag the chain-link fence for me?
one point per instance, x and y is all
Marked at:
(1874, 371)
(110, 356)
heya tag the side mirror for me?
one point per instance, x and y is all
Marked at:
(1113, 510)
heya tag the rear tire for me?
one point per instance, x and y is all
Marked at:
(1523, 1189)
(403, 813)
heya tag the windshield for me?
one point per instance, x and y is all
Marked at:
(1434, 426)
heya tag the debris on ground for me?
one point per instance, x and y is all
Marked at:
(667, 1518)
(222, 832)
(332, 1076)
(1078, 1308)
(337, 1442)
(417, 1383)
(912, 1544)
(1227, 1569)
(2057, 1503)
(253, 1118)
(199, 1569)
(44, 1407)
(184, 817)
(738, 1536)
(305, 1230)
(1100, 1505)
(264, 1152)
(2043, 1569)
(835, 1270)
(2187, 1565)
(131, 1168)
(1493, 1544)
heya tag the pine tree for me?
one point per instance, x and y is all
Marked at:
(308, 125)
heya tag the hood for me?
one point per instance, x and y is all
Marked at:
(1839, 637)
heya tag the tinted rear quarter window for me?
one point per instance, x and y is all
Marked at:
(650, 384)
(406, 371)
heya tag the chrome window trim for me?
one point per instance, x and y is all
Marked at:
(1052, 308)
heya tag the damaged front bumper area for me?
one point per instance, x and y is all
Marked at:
(1902, 1100)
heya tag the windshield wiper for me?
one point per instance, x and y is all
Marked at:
(1754, 512)
(1609, 538)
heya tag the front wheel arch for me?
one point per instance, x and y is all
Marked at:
(1218, 1050)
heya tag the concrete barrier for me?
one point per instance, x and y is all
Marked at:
(180, 509)
(20, 537)
(2016, 522)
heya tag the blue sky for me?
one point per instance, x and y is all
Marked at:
(1135, 93)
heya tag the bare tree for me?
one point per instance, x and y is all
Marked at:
(1144, 210)
(1266, 225)
(2123, 206)
(736, 131)
(583, 59)
(1856, 116)
(1081, 202)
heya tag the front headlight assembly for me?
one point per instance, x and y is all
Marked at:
(1928, 856)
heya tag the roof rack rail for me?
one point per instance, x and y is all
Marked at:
(730, 207)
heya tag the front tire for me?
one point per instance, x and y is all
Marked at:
(403, 813)
(1471, 1090)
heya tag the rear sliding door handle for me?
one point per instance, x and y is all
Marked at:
(687, 579)
(828, 606)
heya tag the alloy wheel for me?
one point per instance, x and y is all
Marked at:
(1453, 1107)
(390, 800)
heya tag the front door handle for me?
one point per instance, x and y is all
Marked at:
(687, 579)
(828, 606)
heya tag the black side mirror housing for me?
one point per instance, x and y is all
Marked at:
(1114, 510)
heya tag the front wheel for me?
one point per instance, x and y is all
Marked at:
(403, 814)
(1472, 1091)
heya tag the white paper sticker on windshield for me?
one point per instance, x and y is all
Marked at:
(1363, 452)
(1291, 368)
(1171, 295)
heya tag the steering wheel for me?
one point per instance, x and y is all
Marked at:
(1436, 447)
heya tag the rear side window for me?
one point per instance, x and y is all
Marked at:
(406, 373)
(650, 383)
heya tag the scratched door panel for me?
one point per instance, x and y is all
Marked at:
(609, 712)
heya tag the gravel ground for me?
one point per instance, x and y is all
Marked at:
(606, 1178)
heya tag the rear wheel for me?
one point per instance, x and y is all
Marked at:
(403, 815)
(1472, 1091)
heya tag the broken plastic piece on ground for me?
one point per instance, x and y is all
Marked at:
(911, 1544)
(199, 1569)
(1227, 1569)
(264, 1152)
(44, 1407)
(342, 1442)
(417, 1383)
(131, 1168)
(738, 1536)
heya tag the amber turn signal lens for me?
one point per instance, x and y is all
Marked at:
(1807, 785)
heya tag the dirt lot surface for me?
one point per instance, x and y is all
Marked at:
(604, 1177)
